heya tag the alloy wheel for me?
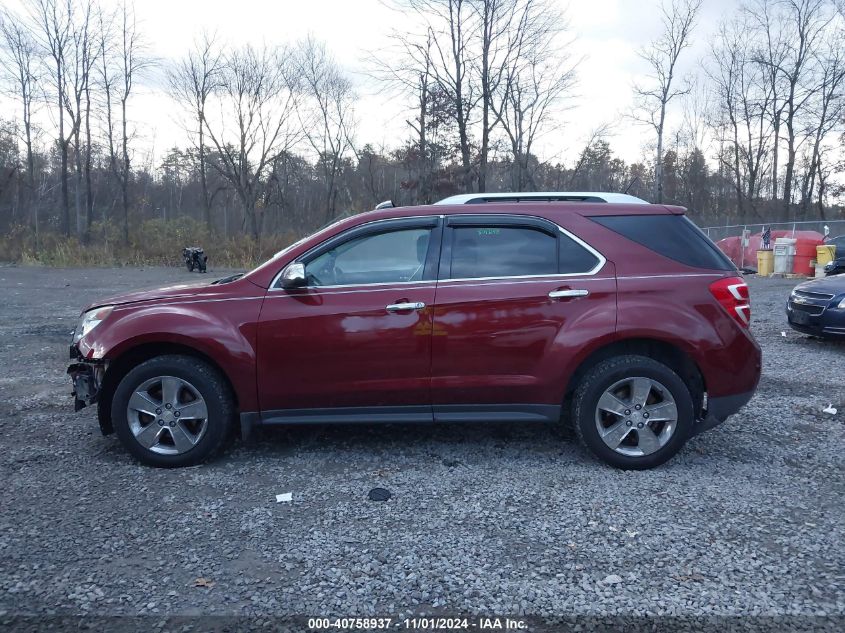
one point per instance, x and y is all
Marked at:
(167, 415)
(636, 416)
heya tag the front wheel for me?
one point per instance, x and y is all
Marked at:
(633, 412)
(173, 411)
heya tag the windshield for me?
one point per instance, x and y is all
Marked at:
(290, 247)
(297, 243)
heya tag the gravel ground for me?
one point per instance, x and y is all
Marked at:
(487, 519)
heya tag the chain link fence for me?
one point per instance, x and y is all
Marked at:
(716, 233)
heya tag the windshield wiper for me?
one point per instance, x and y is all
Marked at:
(226, 280)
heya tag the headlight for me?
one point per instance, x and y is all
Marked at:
(841, 305)
(90, 320)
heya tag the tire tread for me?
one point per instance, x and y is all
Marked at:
(581, 407)
(223, 405)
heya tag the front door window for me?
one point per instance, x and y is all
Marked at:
(395, 256)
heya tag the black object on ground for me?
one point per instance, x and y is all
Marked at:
(379, 494)
(195, 258)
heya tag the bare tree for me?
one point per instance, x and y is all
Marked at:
(407, 69)
(326, 114)
(770, 54)
(450, 25)
(54, 32)
(257, 93)
(482, 60)
(20, 60)
(63, 29)
(827, 111)
(79, 62)
(122, 62)
(728, 57)
(107, 83)
(498, 43)
(798, 25)
(535, 77)
(744, 95)
(662, 58)
(192, 81)
(420, 80)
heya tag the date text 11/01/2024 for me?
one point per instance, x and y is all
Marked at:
(419, 623)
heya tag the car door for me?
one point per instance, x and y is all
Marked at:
(518, 297)
(355, 342)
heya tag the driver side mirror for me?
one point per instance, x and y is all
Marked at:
(293, 276)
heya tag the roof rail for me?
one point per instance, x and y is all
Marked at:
(543, 196)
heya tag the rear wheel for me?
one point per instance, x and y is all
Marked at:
(633, 412)
(173, 411)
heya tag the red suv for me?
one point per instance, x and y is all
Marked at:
(623, 318)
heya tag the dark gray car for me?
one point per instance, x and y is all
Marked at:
(817, 307)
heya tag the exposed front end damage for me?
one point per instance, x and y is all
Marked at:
(87, 377)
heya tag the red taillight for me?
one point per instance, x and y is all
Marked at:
(732, 293)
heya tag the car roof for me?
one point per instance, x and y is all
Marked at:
(540, 209)
(543, 196)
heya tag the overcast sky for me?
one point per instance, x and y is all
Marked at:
(608, 34)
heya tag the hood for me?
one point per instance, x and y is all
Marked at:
(202, 289)
(834, 285)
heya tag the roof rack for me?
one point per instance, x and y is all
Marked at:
(543, 196)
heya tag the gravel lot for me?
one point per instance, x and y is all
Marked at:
(487, 519)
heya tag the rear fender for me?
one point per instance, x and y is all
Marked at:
(728, 358)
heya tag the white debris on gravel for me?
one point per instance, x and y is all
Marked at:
(748, 519)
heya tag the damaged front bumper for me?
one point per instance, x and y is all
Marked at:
(87, 377)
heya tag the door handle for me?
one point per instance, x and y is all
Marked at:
(404, 307)
(568, 294)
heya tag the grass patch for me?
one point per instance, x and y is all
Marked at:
(152, 243)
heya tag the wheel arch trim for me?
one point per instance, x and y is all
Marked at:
(123, 359)
(669, 352)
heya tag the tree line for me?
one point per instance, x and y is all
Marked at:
(271, 144)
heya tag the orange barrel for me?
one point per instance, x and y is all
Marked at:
(805, 254)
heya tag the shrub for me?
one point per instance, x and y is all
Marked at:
(152, 243)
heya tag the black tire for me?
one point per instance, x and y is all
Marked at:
(210, 384)
(190, 266)
(604, 375)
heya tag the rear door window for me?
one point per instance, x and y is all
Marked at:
(673, 236)
(502, 250)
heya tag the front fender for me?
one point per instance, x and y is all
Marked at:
(224, 331)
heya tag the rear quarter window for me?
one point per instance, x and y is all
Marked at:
(673, 236)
